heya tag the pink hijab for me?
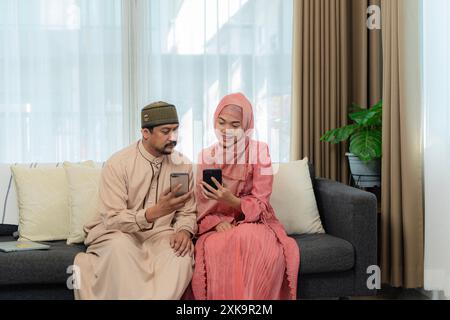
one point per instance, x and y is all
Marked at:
(234, 172)
(234, 158)
(237, 99)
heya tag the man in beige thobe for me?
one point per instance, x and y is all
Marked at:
(139, 246)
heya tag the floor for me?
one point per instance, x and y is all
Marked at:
(389, 293)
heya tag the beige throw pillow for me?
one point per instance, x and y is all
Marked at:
(83, 197)
(43, 201)
(293, 198)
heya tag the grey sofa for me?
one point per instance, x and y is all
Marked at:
(332, 265)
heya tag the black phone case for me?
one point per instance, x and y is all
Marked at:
(209, 173)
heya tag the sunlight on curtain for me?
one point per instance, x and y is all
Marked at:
(60, 80)
(194, 52)
(436, 70)
(70, 85)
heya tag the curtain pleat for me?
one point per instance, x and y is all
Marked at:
(402, 214)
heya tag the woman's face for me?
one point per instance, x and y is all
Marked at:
(229, 126)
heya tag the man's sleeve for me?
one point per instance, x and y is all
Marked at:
(113, 198)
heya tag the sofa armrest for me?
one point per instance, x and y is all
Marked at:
(7, 230)
(350, 214)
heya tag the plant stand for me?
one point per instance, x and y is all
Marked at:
(356, 179)
(364, 175)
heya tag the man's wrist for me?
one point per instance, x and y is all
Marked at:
(190, 235)
(150, 214)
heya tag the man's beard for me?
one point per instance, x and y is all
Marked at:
(165, 152)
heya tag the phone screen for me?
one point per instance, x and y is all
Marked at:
(179, 178)
(209, 173)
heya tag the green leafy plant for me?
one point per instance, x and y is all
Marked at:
(365, 133)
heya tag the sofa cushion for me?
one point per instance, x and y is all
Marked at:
(38, 267)
(83, 185)
(7, 230)
(321, 253)
(43, 199)
(293, 198)
(9, 210)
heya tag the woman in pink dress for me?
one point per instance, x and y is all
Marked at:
(242, 251)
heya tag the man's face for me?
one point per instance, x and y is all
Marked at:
(162, 139)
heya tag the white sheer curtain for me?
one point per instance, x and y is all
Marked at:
(74, 74)
(193, 52)
(60, 80)
(436, 44)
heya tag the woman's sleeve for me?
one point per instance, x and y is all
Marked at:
(257, 202)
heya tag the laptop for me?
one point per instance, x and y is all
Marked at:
(12, 246)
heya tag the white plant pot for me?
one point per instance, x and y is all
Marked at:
(365, 175)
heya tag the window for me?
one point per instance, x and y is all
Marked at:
(436, 73)
(61, 80)
(66, 69)
(197, 51)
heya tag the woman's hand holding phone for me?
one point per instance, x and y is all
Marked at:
(221, 194)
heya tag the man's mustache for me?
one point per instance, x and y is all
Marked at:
(172, 144)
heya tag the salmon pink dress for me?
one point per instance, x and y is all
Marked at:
(255, 260)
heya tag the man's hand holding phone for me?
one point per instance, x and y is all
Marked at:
(167, 204)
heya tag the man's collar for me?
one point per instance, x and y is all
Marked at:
(147, 155)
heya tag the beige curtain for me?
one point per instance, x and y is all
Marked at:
(402, 239)
(336, 61)
(366, 56)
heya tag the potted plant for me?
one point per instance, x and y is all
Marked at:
(365, 135)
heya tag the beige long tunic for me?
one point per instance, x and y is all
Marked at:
(128, 257)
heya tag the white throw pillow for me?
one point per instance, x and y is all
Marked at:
(9, 213)
(83, 197)
(43, 201)
(293, 198)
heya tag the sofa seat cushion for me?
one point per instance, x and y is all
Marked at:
(38, 267)
(321, 253)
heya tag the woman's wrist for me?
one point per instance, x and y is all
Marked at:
(236, 203)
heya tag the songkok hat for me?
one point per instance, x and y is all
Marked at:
(158, 114)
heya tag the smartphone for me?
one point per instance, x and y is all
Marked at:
(179, 178)
(209, 173)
